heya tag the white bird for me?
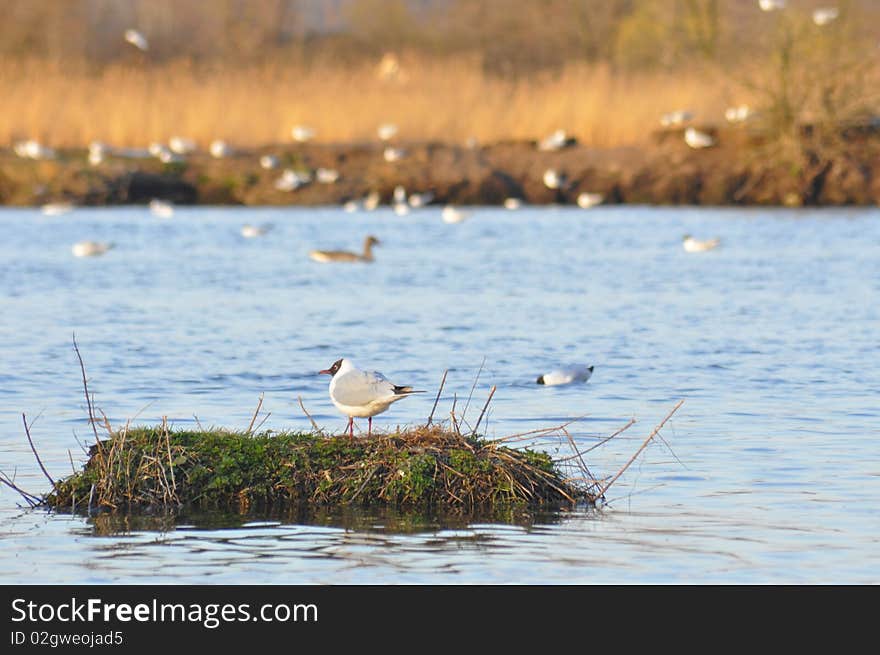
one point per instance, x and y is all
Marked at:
(393, 154)
(325, 256)
(696, 139)
(351, 206)
(161, 208)
(398, 196)
(291, 180)
(512, 203)
(420, 199)
(738, 114)
(586, 200)
(326, 175)
(219, 149)
(137, 39)
(387, 131)
(452, 214)
(362, 394)
(181, 145)
(33, 149)
(677, 117)
(90, 248)
(690, 244)
(269, 162)
(556, 141)
(771, 5)
(577, 373)
(302, 133)
(372, 200)
(56, 208)
(97, 152)
(400, 208)
(249, 231)
(552, 179)
(825, 15)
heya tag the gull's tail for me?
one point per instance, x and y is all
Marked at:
(405, 391)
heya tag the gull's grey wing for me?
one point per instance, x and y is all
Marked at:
(357, 388)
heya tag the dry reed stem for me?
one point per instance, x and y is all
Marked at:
(256, 412)
(311, 420)
(437, 399)
(485, 407)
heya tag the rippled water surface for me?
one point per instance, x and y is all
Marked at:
(769, 472)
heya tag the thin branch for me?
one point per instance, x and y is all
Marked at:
(27, 431)
(82, 368)
(437, 399)
(256, 412)
(485, 407)
(641, 448)
(306, 412)
(473, 386)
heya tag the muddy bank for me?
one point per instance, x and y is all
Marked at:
(738, 170)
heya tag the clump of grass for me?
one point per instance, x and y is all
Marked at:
(155, 468)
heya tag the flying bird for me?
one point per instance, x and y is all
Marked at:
(362, 394)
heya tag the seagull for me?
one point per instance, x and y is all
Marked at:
(696, 139)
(576, 373)
(690, 244)
(372, 200)
(552, 179)
(387, 131)
(326, 175)
(181, 145)
(90, 248)
(302, 133)
(771, 5)
(161, 208)
(393, 154)
(219, 149)
(362, 393)
(677, 117)
(325, 256)
(586, 200)
(738, 114)
(56, 208)
(33, 149)
(512, 203)
(137, 39)
(268, 161)
(452, 214)
(825, 15)
(556, 141)
(249, 231)
(420, 199)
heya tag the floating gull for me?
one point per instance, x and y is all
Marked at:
(690, 244)
(137, 39)
(90, 248)
(452, 214)
(400, 208)
(302, 133)
(372, 200)
(387, 131)
(696, 139)
(825, 15)
(512, 203)
(577, 373)
(56, 208)
(249, 231)
(325, 256)
(586, 200)
(675, 118)
(420, 199)
(362, 394)
(398, 196)
(161, 208)
(351, 206)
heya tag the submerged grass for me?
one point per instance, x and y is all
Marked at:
(430, 467)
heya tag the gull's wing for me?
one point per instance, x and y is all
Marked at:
(357, 388)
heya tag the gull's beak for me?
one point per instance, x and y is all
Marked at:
(325, 371)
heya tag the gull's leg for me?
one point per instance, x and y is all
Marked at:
(370, 427)
(351, 427)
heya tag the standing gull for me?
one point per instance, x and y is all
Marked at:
(362, 393)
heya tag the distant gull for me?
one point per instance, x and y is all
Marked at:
(577, 373)
(586, 200)
(556, 141)
(696, 139)
(400, 208)
(738, 114)
(56, 208)
(292, 180)
(269, 161)
(362, 394)
(372, 200)
(249, 231)
(420, 199)
(387, 131)
(161, 208)
(181, 145)
(690, 244)
(512, 203)
(553, 179)
(675, 118)
(90, 248)
(219, 149)
(398, 196)
(825, 15)
(326, 175)
(33, 149)
(771, 5)
(137, 39)
(393, 154)
(302, 133)
(452, 214)
(325, 256)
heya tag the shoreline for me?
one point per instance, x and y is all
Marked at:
(736, 171)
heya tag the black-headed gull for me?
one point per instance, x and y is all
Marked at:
(325, 256)
(690, 244)
(90, 248)
(566, 375)
(362, 393)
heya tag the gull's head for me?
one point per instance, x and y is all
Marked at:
(338, 365)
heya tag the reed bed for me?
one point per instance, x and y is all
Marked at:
(453, 100)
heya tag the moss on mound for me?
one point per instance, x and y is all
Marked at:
(151, 468)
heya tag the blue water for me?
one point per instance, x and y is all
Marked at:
(769, 472)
